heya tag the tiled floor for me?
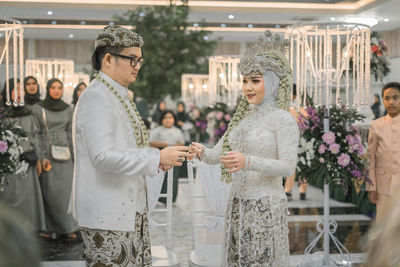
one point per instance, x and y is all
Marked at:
(351, 231)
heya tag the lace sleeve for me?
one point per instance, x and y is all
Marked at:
(287, 138)
(211, 155)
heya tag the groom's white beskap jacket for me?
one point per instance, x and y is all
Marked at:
(109, 174)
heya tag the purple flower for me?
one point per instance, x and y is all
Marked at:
(350, 140)
(3, 147)
(227, 117)
(334, 148)
(361, 150)
(329, 138)
(322, 149)
(343, 160)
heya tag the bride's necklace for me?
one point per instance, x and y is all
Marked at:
(141, 135)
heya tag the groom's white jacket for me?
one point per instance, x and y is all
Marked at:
(109, 174)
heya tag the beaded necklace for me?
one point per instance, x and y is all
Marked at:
(139, 129)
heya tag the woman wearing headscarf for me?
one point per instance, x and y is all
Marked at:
(23, 192)
(160, 108)
(32, 92)
(77, 92)
(54, 117)
(376, 107)
(258, 148)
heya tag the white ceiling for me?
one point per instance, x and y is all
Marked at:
(380, 9)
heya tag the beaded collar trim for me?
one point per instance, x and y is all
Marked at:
(139, 129)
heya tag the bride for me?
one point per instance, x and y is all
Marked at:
(258, 148)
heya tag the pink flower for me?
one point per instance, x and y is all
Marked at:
(219, 115)
(329, 138)
(322, 149)
(227, 117)
(343, 160)
(334, 148)
(350, 139)
(321, 160)
(3, 147)
(361, 150)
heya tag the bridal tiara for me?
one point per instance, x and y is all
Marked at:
(267, 54)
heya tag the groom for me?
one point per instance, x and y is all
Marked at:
(112, 157)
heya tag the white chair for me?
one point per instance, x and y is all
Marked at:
(208, 198)
(163, 255)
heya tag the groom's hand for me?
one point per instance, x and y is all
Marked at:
(173, 155)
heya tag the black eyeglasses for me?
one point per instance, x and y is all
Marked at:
(134, 60)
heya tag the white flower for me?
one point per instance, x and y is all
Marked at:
(303, 160)
(308, 163)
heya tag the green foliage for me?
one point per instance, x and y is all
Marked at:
(169, 49)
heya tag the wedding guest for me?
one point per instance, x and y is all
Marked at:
(32, 92)
(376, 107)
(384, 246)
(159, 109)
(23, 192)
(54, 117)
(167, 135)
(383, 150)
(18, 246)
(77, 92)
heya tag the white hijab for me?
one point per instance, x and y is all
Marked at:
(271, 86)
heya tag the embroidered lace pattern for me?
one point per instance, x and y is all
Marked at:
(269, 137)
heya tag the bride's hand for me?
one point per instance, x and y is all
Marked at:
(195, 149)
(233, 161)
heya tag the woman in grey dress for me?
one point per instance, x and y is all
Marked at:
(32, 92)
(23, 191)
(54, 117)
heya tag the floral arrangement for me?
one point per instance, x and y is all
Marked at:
(379, 61)
(218, 117)
(336, 156)
(211, 122)
(198, 132)
(10, 151)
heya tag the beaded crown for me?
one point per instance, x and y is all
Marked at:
(266, 54)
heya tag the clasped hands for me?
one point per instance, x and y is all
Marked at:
(232, 160)
(173, 156)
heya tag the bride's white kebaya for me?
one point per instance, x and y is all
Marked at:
(259, 147)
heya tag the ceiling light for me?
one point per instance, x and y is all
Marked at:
(205, 86)
(250, 25)
(360, 20)
(54, 22)
(71, 35)
(386, 20)
(191, 86)
(223, 25)
(83, 22)
(333, 18)
(49, 12)
(231, 16)
(195, 25)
